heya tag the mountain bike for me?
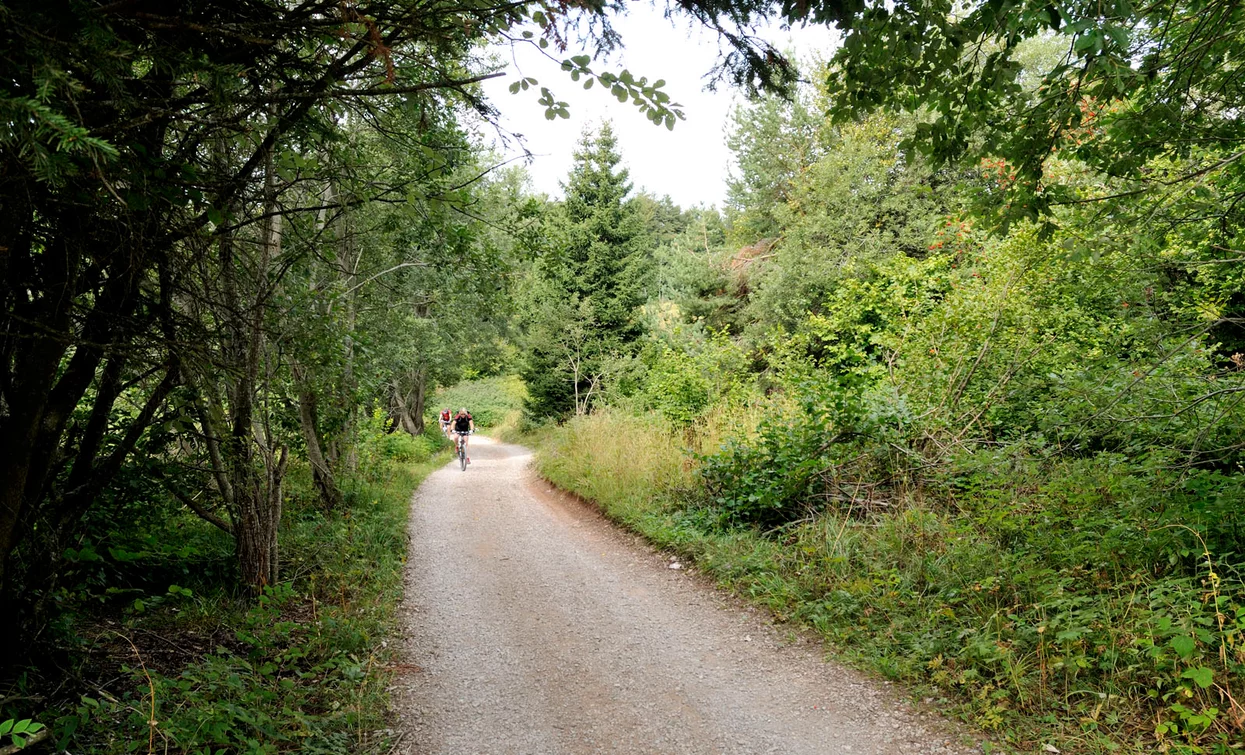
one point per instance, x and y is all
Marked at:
(461, 449)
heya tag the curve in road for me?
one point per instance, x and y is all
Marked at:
(534, 626)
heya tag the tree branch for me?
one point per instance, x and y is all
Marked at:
(368, 92)
(199, 510)
(33, 739)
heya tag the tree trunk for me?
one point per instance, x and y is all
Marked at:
(248, 465)
(55, 340)
(308, 420)
(258, 518)
(407, 402)
(421, 396)
(349, 410)
(257, 487)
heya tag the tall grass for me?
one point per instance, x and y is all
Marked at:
(628, 464)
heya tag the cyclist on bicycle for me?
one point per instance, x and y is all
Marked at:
(446, 416)
(463, 426)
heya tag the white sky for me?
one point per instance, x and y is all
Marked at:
(690, 163)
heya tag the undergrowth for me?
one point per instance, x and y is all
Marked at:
(495, 403)
(1055, 603)
(163, 657)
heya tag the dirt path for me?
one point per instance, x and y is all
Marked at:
(533, 626)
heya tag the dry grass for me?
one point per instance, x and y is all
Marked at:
(632, 464)
(621, 461)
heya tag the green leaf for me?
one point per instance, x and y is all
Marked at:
(1118, 34)
(1201, 676)
(1183, 645)
(1087, 41)
(514, 88)
(581, 60)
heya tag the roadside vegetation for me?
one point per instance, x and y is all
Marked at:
(496, 403)
(164, 655)
(1001, 462)
(1037, 626)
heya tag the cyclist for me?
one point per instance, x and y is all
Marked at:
(463, 426)
(446, 416)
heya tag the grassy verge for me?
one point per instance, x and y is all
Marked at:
(1013, 605)
(178, 663)
(495, 403)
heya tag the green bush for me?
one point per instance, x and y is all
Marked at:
(493, 402)
(815, 451)
(683, 383)
(401, 447)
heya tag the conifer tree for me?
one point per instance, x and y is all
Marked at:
(588, 285)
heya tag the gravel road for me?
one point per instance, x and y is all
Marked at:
(534, 626)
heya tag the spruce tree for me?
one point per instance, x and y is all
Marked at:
(589, 284)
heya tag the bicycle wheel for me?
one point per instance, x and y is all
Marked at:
(462, 456)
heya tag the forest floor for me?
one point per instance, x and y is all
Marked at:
(533, 625)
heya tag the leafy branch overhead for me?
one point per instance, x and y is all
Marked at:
(649, 98)
(1116, 85)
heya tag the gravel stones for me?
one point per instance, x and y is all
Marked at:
(533, 626)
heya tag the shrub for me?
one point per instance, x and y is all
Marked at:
(828, 444)
(493, 402)
(302, 670)
(404, 448)
(683, 383)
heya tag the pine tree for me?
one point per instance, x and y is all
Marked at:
(589, 284)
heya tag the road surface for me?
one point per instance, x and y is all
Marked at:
(534, 626)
